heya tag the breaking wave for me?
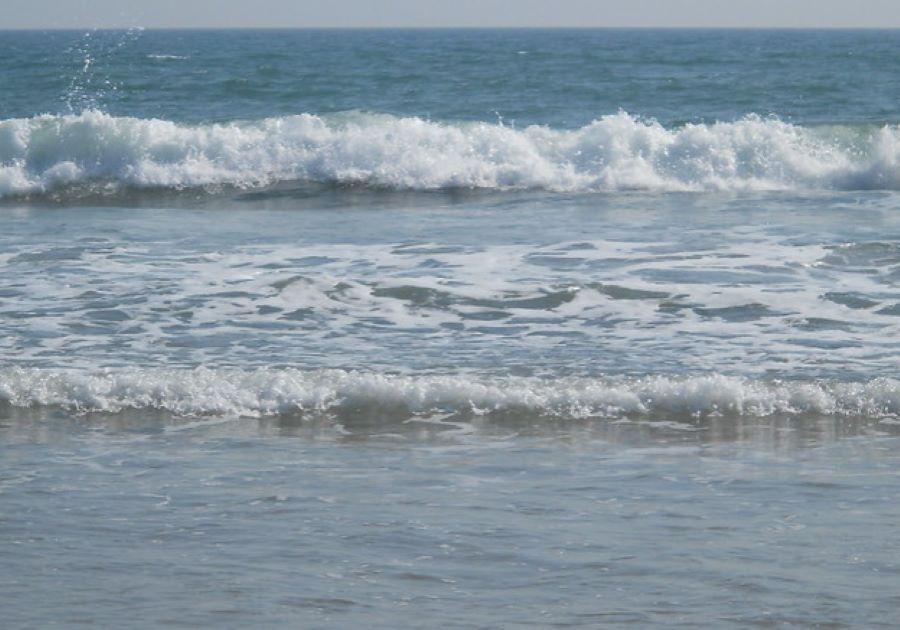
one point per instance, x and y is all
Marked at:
(268, 392)
(50, 153)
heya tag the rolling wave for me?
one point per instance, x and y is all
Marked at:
(268, 392)
(50, 154)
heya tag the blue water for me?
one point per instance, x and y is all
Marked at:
(473, 328)
(551, 77)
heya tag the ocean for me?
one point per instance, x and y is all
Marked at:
(457, 328)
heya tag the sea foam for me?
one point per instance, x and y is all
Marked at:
(48, 153)
(265, 392)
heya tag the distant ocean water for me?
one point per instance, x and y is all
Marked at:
(469, 327)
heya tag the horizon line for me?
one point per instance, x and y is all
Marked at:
(450, 28)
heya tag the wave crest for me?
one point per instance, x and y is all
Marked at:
(47, 153)
(264, 392)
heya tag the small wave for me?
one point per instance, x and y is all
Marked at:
(618, 152)
(162, 57)
(264, 392)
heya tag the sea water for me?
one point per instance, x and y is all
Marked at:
(466, 328)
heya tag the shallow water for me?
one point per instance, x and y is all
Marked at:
(271, 523)
(765, 285)
(573, 480)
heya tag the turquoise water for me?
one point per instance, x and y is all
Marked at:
(471, 328)
(565, 79)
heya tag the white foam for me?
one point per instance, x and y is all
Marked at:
(255, 393)
(615, 152)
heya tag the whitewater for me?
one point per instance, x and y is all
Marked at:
(259, 393)
(617, 152)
